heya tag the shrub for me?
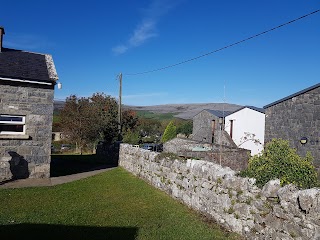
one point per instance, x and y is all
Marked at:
(131, 137)
(280, 161)
(169, 133)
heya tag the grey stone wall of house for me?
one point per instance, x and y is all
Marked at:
(29, 153)
(272, 212)
(202, 130)
(235, 158)
(295, 118)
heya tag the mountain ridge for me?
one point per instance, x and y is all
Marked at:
(184, 111)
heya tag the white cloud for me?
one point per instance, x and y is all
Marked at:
(142, 33)
(146, 29)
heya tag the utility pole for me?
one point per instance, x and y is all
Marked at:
(119, 108)
(223, 120)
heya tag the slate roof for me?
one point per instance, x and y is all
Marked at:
(17, 64)
(293, 95)
(219, 113)
(261, 110)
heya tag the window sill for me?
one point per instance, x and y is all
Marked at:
(14, 136)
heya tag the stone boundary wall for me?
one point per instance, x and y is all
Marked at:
(234, 202)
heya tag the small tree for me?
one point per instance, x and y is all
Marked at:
(279, 161)
(169, 133)
(85, 121)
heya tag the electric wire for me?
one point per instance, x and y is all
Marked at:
(225, 47)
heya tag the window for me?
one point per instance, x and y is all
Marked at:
(10, 124)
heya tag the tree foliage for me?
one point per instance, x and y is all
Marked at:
(129, 120)
(185, 128)
(131, 137)
(169, 133)
(279, 161)
(87, 120)
(148, 127)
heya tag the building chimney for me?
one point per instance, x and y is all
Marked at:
(1, 37)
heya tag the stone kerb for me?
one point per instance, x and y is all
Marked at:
(234, 202)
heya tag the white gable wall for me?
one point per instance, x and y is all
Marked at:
(248, 121)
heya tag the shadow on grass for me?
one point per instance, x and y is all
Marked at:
(62, 165)
(46, 231)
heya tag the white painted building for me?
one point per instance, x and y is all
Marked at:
(246, 128)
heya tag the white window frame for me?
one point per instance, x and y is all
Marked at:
(22, 122)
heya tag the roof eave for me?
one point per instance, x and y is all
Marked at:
(28, 81)
(292, 95)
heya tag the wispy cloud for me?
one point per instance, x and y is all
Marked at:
(147, 28)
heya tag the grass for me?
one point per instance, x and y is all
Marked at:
(111, 205)
(56, 118)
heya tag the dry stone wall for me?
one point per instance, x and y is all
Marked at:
(234, 202)
(235, 158)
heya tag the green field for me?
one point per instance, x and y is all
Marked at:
(156, 116)
(111, 205)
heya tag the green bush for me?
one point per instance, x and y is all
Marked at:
(169, 133)
(279, 161)
(131, 137)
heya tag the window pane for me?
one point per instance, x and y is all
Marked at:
(11, 119)
(11, 128)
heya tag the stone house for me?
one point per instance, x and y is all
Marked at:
(246, 128)
(208, 127)
(296, 118)
(27, 83)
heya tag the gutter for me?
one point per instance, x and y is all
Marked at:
(26, 81)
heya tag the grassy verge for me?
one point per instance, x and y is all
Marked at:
(112, 205)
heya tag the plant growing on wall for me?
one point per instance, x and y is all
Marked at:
(249, 137)
(279, 161)
(169, 133)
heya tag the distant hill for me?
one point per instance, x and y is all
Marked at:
(184, 111)
(58, 105)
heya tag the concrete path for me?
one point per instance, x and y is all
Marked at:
(42, 182)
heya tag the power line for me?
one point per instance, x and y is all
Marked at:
(225, 47)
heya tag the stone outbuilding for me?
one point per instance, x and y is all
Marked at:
(208, 127)
(27, 83)
(296, 118)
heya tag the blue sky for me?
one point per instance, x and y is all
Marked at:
(93, 41)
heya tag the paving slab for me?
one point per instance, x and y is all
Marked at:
(43, 182)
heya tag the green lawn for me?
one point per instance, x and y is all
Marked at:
(112, 205)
